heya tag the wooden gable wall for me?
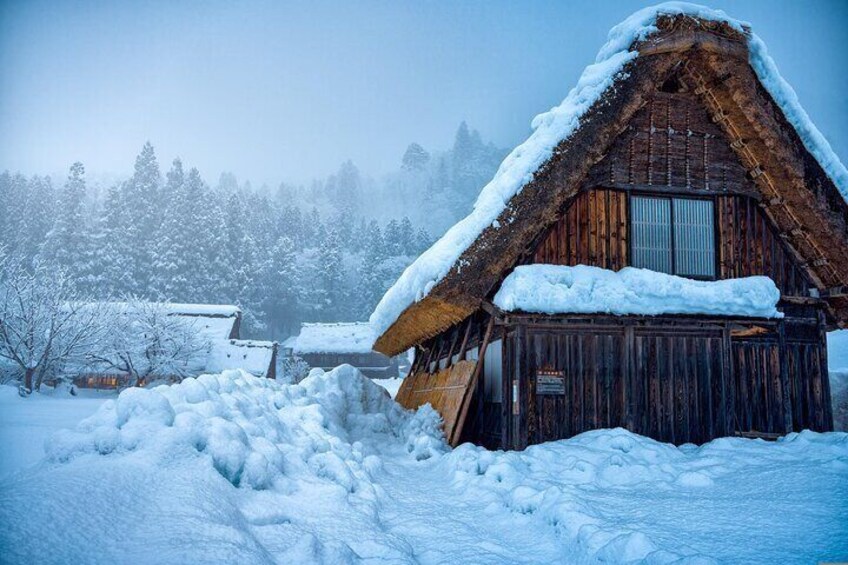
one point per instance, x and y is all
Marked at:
(671, 147)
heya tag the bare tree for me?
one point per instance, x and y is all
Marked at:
(146, 341)
(44, 321)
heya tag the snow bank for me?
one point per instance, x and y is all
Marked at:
(560, 122)
(554, 289)
(256, 432)
(578, 488)
(355, 337)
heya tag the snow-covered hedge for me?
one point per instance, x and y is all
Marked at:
(256, 432)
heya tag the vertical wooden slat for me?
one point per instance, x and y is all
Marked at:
(826, 406)
(726, 388)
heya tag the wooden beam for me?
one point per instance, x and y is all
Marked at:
(453, 344)
(519, 389)
(463, 348)
(682, 191)
(802, 300)
(786, 397)
(833, 292)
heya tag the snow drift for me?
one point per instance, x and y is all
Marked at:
(554, 289)
(256, 432)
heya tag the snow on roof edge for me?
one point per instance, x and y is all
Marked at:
(184, 309)
(203, 309)
(550, 128)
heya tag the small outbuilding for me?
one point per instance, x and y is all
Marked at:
(216, 324)
(665, 253)
(327, 346)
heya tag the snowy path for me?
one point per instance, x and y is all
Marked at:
(443, 526)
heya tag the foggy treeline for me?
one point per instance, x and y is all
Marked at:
(324, 251)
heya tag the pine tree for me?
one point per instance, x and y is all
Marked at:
(91, 271)
(393, 239)
(14, 191)
(63, 246)
(372, 275)
(423, 241)
(141, 198)
(415, 159)
(197, 235)
(291, 225)
(348, 189)
(313, 230)
(280, 291)
(116, 259)
(170, 267)
(407, 236)
(227, 183)
(41, 215)
(332, 277)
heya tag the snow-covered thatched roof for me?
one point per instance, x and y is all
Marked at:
(577, 131)
(352, 337)
(255, 357)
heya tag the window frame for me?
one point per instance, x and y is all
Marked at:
(671, 196)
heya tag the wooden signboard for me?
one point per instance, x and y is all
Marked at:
(549, 382)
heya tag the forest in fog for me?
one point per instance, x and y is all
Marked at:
(322, 251)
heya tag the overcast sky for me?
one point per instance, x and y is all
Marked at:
(275, 91)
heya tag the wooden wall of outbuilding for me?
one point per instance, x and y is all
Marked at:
(675, 380)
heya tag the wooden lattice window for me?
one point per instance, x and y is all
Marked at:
(673, 235)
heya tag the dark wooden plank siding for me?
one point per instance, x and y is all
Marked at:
(593, 231)
(750, 245)
(671, 145)
(676, 383)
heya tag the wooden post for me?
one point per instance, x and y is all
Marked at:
(520, 389)
(506, 390)
(786, 398)
(629, 378)
(464, 346)
(827, 407)
(728, 408)
(453, 345)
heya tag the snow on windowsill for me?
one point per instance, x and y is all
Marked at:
(554, 289)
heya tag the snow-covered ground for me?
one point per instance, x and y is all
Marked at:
(25, 425)
(232, 468)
